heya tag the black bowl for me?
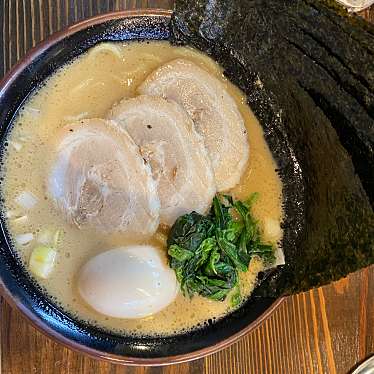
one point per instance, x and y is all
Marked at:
(17, 286)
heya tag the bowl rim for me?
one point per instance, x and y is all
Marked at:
(39, 323)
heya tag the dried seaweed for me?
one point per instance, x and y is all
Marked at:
(307, 69)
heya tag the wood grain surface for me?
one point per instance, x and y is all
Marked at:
(326, 330)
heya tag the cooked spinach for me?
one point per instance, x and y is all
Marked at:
(207, 252)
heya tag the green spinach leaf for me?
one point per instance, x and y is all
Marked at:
(208, 252)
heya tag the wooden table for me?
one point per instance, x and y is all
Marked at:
(326, 330)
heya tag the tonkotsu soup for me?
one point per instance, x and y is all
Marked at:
(85, 89)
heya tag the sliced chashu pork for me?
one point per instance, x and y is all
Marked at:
(167, 140)
(213, 111)
(99, 179)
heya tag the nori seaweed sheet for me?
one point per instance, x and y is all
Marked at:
(307, 69)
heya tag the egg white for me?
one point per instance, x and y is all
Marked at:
(128, 282)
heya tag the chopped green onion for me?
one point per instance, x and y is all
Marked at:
(42, 261)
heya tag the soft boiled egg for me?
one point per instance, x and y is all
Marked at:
(128, 282)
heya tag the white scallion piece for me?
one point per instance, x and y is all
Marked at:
(272, 229)
(42, 261)
(26, 200)
(279, 257)
(24, 239)
(45, 236)
(33, 111)
(16, 145)
(48, 236)
(272, 233)
(9, 214)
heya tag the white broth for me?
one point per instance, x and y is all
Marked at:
(87, 88)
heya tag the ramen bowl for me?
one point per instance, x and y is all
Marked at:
(24, 294)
